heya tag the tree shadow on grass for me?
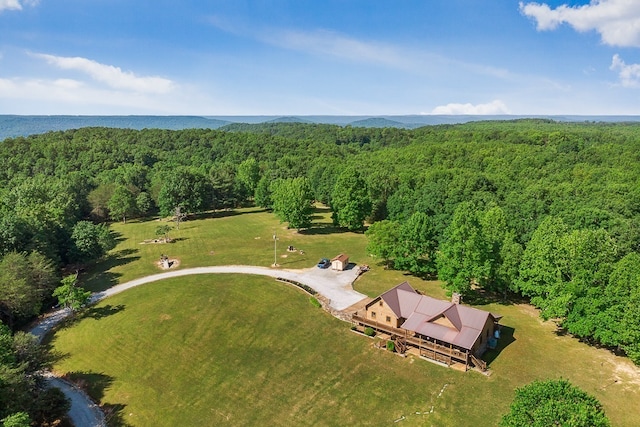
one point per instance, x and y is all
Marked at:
(483, 297)
(98, 313)
(117, 237)
(143, 219)
(320, 229)
(50, 355)
(506, 339)
(90, 312)
(99, 278)
(224, 213)
(95, 385)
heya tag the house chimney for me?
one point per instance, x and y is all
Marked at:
(456, 298)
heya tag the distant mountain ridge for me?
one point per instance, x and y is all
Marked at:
(380, 122)
(15, 125)
(12, 126)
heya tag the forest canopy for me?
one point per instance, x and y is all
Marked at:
(535, 208)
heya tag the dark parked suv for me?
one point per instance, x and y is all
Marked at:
(324, 263)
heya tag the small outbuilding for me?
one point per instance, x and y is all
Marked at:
(340, 262)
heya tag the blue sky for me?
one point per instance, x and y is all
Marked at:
(319, 57)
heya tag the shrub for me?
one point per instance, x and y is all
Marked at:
(368, 331)
(314, 302)
(391, 346)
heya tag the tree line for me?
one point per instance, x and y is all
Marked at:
(544, 210)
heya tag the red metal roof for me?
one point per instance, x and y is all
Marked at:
(421, 311)
(341, 258)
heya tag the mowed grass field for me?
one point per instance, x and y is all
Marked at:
(246, 350)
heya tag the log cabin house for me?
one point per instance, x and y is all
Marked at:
(447, 332)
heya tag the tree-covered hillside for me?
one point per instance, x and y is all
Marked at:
(549, 211)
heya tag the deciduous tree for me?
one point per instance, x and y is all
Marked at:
(417, 245)
(19, 419)
(98, 200)
(25, 281)
(462, 259)
(554, 403)
(90, 241)
(163, 230)
(122, 203)
(70, 295)
(293, 202)
(143, 203)
(262, 196)
(382, 240)
(249, 174)
(350, 200)
(226, 190)
(540, 274)
(186, 188)
(617, 314)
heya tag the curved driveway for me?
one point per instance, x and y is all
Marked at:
(334, 285)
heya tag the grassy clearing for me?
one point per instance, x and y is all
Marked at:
(204, 350)
(243, 350)
(241, 237)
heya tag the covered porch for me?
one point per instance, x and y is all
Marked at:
(425, 347)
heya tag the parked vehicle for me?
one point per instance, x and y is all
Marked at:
(324, 263)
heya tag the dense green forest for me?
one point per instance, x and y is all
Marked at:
(528, 208)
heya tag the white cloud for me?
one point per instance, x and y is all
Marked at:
(16, 4)
(617, 21)
(331, 43)
(10, 5)
(629, 74)
(320, 42)
(69, 96)
(111, 76)
(494, 107)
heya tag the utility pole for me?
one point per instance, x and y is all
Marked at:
(275, 249)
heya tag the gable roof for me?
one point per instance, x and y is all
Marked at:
(341, 258)
(421, 312)
(401, 299)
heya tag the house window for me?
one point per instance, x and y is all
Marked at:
(388, 319)
(373, 314)
(380, 303)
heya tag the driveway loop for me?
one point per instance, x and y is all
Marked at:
(336, 286)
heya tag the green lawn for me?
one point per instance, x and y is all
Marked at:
(240, 237)
(210, 350)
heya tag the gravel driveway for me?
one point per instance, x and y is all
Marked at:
(334, 285)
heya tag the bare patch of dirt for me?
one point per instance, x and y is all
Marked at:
(165, 317)
(173, 263)
(155, 241)
(529, 310)
(626, 373)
